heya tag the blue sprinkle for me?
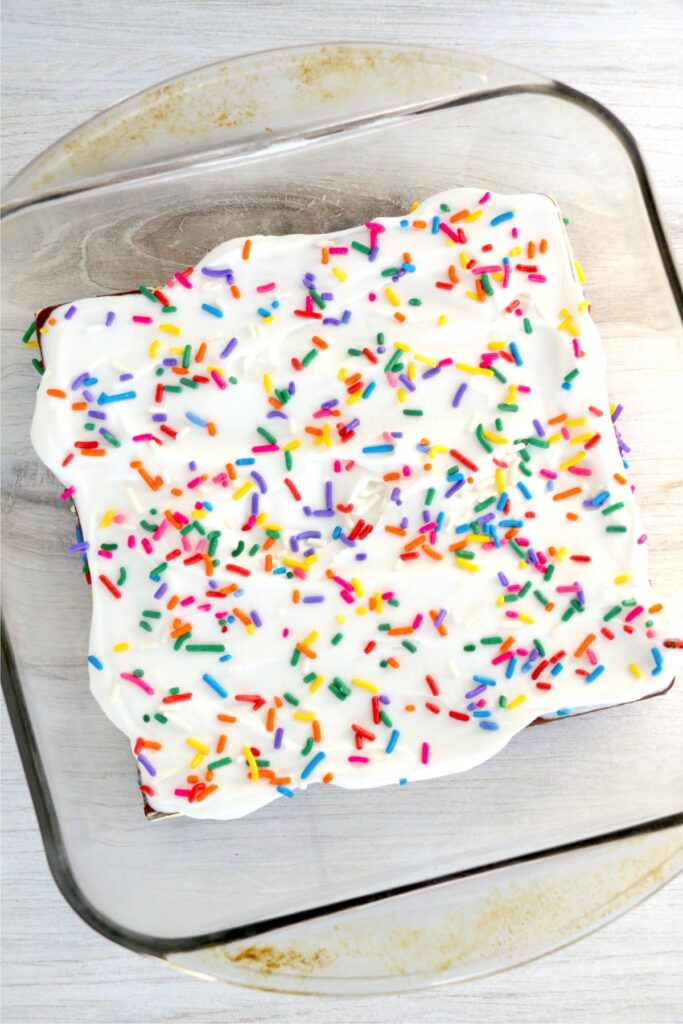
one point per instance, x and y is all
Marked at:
(193, 418)
(376, 449)
(404, 223)
(313, 763)
(96, 662)
(658, 661)
(561, 712)
(123, 396)
(491, 726)
(393, 740)
(245, 462)
(213, 310)
(502, 217)
(510, 670)
(265, 313)
(481, 714)
(484, 679)
(556, 669)
(524, 489)
(214, 685)
(595, 673)
(514, 352)
(285, 791)
(435, 225)
(369, 389)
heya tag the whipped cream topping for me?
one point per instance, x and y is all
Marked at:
(354, 507)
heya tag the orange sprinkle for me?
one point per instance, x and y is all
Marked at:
(419, 224)
(543, 246)
(270, 720)
(325, 255)
(93, 451)
(56, 393)
(460, 215)
(557, 419)
(436, 555)
(226, 718)
(319, 343)
(296, 596)
(208, 565)
(268, 563)
(572, 516)
(172, 602)
(306, 651)
(207, 792)
(79, 406)
(246, 248)
(452, 275)
(230, 470)
(507, 644)
(186, 627)
(655, 608)
(411, 545)
(211, 427)
(584, 645)
(391, 476)
(235, 292)
(317, 734)
(481, 294)
(566, 494)
(410, 707)
(393, 662)
(327, 777)
(400, 317)
(619, 478)
(239, 614)
(400, 631)
(395, 529)
(220, 746)
(201, 352)
(531, 250)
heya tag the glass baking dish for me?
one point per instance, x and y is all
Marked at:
(342, 890)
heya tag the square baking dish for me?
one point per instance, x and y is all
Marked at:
(316, 139)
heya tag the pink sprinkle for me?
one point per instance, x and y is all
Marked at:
(346, 596)
(142, 320)
(138, 682)
(372, 225)
(634, 613)
(425, 753)
(524, 388)
(514, 233)
(337, 466)
(183, 280)
(195, 482)
(642, 538)
(119, 518)
(485, 198)
(146, 545)
(447, 230)
(573, 589)
(500, 658)
(219, 380)
(144, 437)
(160, 530)
(285, 632)
(591, 656)
(580, 471)
(265, 448)
(356, 759)
(265, 287)
(506, 274)
(131, 541)
(105, 554)
(182, 792)
(187, 600)
(204, 607)
(492, 269)
(338, 250)
(181, 518)
(417, 621)
(371, 296)
(185, 541)
(536, 277)
(511, 615)
(65, 495)
(549, 473)
(406, 470)
(576, 347)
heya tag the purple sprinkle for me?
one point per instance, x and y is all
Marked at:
(79, 381)
(217, 273)
(538, 428)
(330, 404)
(276, 414)
(503, 579)
(345, 540)
(159, 417)
(125, 376)
(617, 413)
(404, 522)
(406, 382)
(192, 465)
(74, 548)
(293, 543)
(277, 742)
(440, 617)
(159, 593)
(331, 320)
(454, 488)
(352, 425)
(362, 556)
(88, 395)
(70, 312)
(314, 599)
(146, 764)
(476, 691)
(458, 395)
(328, 494)
(346, 316)
(432, 372)
(254, 504)
(327, 296)
(110, 319)
(383, 699)
(374, 253)
(97, 415)
(170, 361)
(308, 534)
(263, 486)
(228, 348)
(256, 619)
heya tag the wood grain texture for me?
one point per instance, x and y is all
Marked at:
(627, 55)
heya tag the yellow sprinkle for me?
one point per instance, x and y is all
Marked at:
(364, 685)
(290, 446)
(495, 438)
(526, 618)
(341, 375)
(579, 272)
(356, 584)
(573, 461)
(121, 647)
(169, 328)
(500, 483)
(554, 438)
(244, 489)
(108, 516)
(496, 346)
(410, 373)
(154, 348)
(304, 716)
(291, 563)
(311, 638)
(198, 513)
(352, 399)
(425, 359)
(511, 395)
(378, 602)
(561, 554)
(621, 579)
(437, 449)
(634, 670)
(480, 371)
(196, 745)
(392, 296)
(260, 518)
(500, 601)
(472, 295)
(401, 394)
(33, 344)
(339, 273)
(414, 205)
(478, 538)
(267, 384)
(317, 683)
(442, 320)
(515, 251)
(581, 422)
(462, 563)
(584, 304)
(473, 216)
(269, 526)
(253, 767)
(327, 437)
(341, 619)
(464, 260)
(361, 611)
(516, 701)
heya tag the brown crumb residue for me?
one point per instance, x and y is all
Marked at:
(267, 958)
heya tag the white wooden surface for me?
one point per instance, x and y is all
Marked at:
(624, 52)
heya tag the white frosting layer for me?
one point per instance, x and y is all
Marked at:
(194, 538)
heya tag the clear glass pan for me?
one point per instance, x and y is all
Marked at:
(317, 139)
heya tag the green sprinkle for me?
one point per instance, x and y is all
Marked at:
(568, 614)
(490, 640)
(612, 508)
(159, 569)
(307, 747)
(169, 309)
(615, 529)
(414, 302)
(28, 333)
(571, 375)
(540, 596)
(482, 440)
(464, 554)
(485, 504)
(151, 615)
(122, 577)
(517, 549)
(540, 648)
(88, 426)
(429, 496)
(147, 293)
(145, 625)
(502, 701)
(339, 689)
(180, 641)
(310, 677)
(291, 699)
(548, 575)
(361, 248)
(317, 298)
(219, 763)
(470, 647)
(296, 656)
(289, 462)
(528, 329)
(486, 284)
(217, 648)
(409, 646)
(189, 383)
(413, 412)
(385, 720)
(161, 718)
(309, 357)
(336, 638)
(498, 375)
(38, 366)
(109, 547)
(110, 437)
(173, 388)
(390, 272)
